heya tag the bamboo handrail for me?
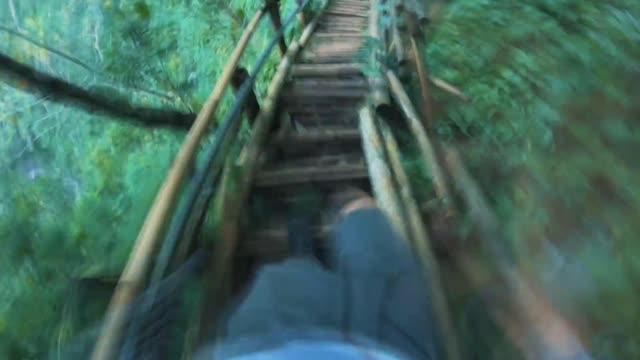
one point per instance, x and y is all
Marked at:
(422, 245)
(132, 279)
(201, 189)
(424, 143)
(379, 91)
(379, 172)
(247, 163)
(424, 83)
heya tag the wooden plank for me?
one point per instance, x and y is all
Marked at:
(293, 94)
(333, 35)
(354, 83)
(338, 13)
(328, 134)
(273, 7)
(310, 70)
(302, 175)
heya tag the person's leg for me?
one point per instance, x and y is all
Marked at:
(296, 294)
(385, 293)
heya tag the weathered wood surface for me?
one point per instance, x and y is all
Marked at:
(380, 174)
(379, 90)
(230, 201)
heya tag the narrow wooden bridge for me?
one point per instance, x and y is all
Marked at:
(323, 124)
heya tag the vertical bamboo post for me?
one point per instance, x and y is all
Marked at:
(135, 273)
(273, 7)
(252, 107)
(412, 21)
(379, 91)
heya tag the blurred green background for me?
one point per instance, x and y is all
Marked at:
(551, 132)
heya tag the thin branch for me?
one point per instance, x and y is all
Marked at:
(443, 85)
(14, 15)
(25, 78)
(82, 64)
(46, 47)
(96, 41)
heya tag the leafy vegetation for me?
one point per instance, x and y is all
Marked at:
(76, 187)
(551, 132)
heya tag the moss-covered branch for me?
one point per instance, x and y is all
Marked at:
(33, 81)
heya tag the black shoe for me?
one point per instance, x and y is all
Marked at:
(300, 237)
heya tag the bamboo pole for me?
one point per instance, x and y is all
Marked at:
(398, 43)
(380, 174)
(273, 7)
(252, 107)
(133, 277)
(424, 143)
(424, 84)
(529, 319)
(443, 85)
(422, 245)
(233, 198)
(379, 91)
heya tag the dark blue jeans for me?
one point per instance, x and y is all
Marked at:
(374, 291)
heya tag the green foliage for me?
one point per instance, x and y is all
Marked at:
(75, 187)
(552, 132)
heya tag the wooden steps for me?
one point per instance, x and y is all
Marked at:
(309, 174)
(321, 151)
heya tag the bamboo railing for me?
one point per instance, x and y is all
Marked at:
(388, 176)
(527, 310)
(231, 201)
(134, 276)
